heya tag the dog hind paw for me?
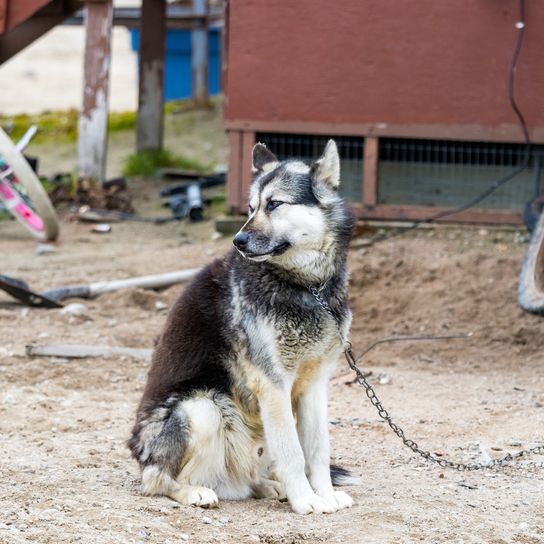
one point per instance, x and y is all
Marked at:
(197, 496)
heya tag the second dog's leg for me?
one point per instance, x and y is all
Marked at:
(312, 424)
(284, 446)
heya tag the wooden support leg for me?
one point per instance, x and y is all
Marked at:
(93, 119)
(151, 72)
(199, 56)
(370, 173)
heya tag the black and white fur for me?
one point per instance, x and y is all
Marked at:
(235, 404)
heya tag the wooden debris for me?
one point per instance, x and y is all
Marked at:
(77, 351)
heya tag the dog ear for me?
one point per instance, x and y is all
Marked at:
(325, 172)
(263, 159)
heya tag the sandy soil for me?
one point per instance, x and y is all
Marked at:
(66, 475)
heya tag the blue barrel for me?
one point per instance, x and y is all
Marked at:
(177, 70)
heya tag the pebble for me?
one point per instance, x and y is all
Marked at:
(45, 249)
(76, 308)
(184, 537)
(160, 305)
(216, 236)
(101, 228)
(384, 379)
(515, 443)
(207, 520)
(334, 420)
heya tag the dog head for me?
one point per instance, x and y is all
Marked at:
(295, 211)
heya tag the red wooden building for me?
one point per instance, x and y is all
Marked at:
(415, 93)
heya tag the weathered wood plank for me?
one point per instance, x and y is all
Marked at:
(93, 118)
(150, 123)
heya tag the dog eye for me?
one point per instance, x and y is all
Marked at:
(272, 205)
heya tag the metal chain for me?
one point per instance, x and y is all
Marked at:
(494, 464)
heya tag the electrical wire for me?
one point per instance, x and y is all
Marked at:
(520, 26)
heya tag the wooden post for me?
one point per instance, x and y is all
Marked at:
(199, 55)
(246, 174)
(151, 73)
(93, 119)
(234, 176)
(370, 173)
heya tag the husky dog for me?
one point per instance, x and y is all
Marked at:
(236, 399)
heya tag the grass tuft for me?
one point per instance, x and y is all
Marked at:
(147, 163)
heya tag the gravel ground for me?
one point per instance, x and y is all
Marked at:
(66, 475)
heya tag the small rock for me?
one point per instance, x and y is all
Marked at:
(384, 379)
(356, 421)
(207, 520)
(184, 537)
(45, 249)
(76, 308)
(523, 525)
(334, 420)
(216, 236)
(483, 232)
(224, 520)
(160, 306)
(101, 228)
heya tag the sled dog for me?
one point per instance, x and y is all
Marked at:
(235, 404)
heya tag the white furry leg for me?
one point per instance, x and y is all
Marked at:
(157, 482)
(284, 447)
(312, 426)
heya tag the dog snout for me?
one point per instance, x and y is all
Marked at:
(241, 240)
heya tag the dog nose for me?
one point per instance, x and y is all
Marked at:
(241, 240)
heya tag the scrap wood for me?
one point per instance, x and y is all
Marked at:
(78, 351)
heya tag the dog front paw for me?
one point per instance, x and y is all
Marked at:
(339, 498)
(313, 504)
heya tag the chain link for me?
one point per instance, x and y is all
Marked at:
(494, 464)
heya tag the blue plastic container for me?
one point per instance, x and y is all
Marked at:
(177, 71)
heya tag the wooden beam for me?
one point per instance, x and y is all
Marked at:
(199, 55)
(234, 179)
(3, 15)
(17, 34)
(150, 123)
(93, 118)
(504, 133)
(248, 141)
(420, 213)
(370, 171)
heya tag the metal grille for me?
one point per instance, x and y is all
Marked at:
(449, 173)
(310, 147)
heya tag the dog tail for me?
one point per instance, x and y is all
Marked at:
(340, 476)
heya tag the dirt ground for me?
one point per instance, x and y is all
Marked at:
(66, 475)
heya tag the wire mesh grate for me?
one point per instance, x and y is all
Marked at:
(310, 147)
(449, 173)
